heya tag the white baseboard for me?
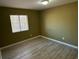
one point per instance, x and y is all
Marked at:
(19, 42)
(73, 46)
(0, 55)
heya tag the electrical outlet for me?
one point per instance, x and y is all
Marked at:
(63, 38)
(31, 35)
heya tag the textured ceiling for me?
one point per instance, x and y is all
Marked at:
(33, 4)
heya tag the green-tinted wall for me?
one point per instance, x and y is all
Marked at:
(61, 22)
(7, 37)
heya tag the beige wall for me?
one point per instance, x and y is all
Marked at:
(61, 22)
(6, 35)
(55, 23)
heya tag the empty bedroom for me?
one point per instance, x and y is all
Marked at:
(38, 29)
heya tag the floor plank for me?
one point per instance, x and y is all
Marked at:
(39, 48)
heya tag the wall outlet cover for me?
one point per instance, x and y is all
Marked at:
(63, 38)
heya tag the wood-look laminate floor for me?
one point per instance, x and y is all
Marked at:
(39, 48)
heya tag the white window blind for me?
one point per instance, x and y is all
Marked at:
(24, 22)
(19, 23)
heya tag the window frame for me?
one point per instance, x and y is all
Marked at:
(19, 20)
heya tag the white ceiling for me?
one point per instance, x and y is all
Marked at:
(33, 4)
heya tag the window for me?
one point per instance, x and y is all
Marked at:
(19, 23)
